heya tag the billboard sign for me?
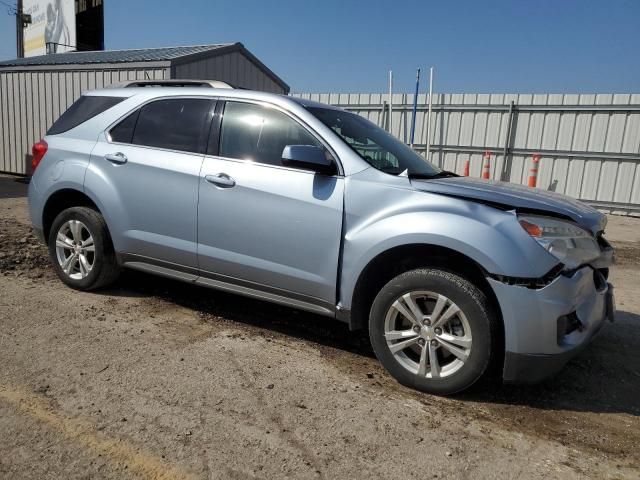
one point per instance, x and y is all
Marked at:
(52, 28)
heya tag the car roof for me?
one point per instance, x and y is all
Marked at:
(168, 91)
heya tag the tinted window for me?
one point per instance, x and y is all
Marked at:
(123, 132)
(252, 132)
(176, 124)
(83, 109)
(378, 147)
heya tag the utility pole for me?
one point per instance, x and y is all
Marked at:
(391, 102)
(415, 107)
(22, 21)
(19, 31)
(429, 114)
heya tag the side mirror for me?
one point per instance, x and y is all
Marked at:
(308, 157)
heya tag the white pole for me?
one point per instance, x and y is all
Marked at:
(391, 101)
(429, 114)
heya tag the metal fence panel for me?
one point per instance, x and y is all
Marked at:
(589, 144)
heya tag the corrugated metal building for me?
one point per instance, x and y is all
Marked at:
(34, 91)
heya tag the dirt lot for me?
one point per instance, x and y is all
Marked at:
(156, 379)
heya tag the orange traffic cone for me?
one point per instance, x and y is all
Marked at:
(533, 176)
(486, 168)
(465, 172)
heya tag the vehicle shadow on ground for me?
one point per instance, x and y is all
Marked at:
(13, 187)
(215, 306)
(604, 378)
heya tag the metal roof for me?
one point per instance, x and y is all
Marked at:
(173, 55)
(115, 56)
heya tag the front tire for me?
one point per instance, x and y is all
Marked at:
(80, 249)
(433, 331)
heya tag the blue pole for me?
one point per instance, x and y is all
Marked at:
(415, 107)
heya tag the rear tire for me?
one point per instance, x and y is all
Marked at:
(433, 331)
(81, 250)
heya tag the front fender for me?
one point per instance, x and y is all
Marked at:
(491, 237)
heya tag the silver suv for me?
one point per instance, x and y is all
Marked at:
(307, 205)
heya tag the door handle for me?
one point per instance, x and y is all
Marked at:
(117, 158)
(221, 180)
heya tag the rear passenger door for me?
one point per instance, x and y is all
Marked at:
(149, 165)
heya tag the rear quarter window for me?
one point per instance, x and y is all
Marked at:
(83, 109)
(123, 132)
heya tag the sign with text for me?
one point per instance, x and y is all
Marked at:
(52, 28)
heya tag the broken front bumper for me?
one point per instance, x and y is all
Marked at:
(546, 327)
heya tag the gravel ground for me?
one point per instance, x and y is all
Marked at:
(157, 379)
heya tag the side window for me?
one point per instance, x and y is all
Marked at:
(253, 132)
(85, 108)
(123, 132)
(175, 124)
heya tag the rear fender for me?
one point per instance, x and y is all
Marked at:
(63, 167)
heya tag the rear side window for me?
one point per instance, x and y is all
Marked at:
(83, 109)
(175, 124)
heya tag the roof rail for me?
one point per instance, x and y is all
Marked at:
(173, 83)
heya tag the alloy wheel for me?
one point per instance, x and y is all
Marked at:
(428, 334)
(75, 249)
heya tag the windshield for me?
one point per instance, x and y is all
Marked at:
(377, 147)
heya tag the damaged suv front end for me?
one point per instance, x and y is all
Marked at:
(547, 319)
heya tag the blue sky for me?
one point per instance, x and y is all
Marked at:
(554, 46)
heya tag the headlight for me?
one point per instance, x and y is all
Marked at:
(569, 243)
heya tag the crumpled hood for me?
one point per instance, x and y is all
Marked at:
(516, 196)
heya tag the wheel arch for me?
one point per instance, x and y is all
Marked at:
(399, 259)
(61, 200)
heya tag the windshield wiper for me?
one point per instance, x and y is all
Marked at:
(427, 176)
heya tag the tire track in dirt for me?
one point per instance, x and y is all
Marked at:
(118, 451)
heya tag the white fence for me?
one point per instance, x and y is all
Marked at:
(589, 144)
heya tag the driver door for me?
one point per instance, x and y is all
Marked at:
(260, 224)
